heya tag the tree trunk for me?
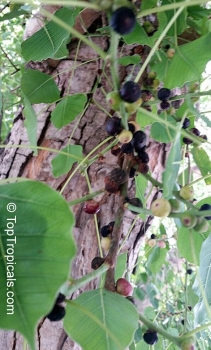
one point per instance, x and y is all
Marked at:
(89, 131)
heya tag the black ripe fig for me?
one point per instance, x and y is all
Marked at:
(130, 92)
(113, 126)
(143, 156)
(123, 20)
(139, 140)
(150, 337)
(206, 207)
(104, 231)
(186, 123)
(136, 202)
(60, 298)
(164, 105)
(127, 148)
(195, 131)
(164, 94)
(56, 314)
(107, 229)
(97, 262)
(91, 207)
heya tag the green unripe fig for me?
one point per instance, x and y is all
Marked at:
(188, 220)
(125, 136)
(114, 100)
(133, 107)
(161, 207)
(106, 4)
(175, 205)
(105, 243)
(186, 192)
(170, 53)
(188, 344)
(152, 75)
(202, 225)
(155, 84)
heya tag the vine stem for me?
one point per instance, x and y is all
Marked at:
(74, 3)
(114, 59)
(170, 7)
(156, 45)
(86, 198)
(196, 330)
(159, 330)
(171, 126)
(43, 149)
(76, 284)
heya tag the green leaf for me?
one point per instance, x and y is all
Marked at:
(190, 60)
(202, 161)
(68, 109)
(170, 174)
(200, 311)
(16, 12)
(138, 36)
(36, 247)
(126, 60)
(46, 42)
(148, 4)
(143, 120)
(120, 265)
(30, 123)
(62, 163)
(161, 132)
(39, 87)
(156, 259)
(189, 244)
(100, 319)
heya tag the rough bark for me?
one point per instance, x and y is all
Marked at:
(89, 132)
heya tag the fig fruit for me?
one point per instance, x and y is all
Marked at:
(124, 287)
(186, 192)
(161, 207)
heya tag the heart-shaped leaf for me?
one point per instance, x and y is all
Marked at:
(36, 247)
(68, 109)
(101, 320)
(39, 87)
